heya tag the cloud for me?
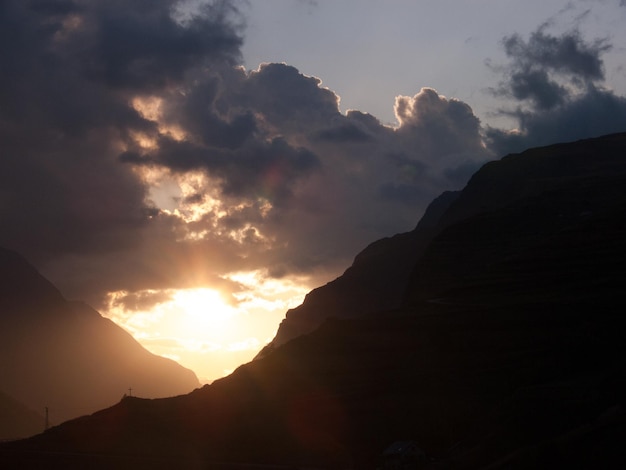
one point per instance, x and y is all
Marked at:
(138, 156)
(257, 170)
(314, 185)
(440, 128)
(537, 66)
(289, 101)
(535, 85)
(567, 54)
(141, 46)
(142, 300)
(593, 113)
(556, 82)
(70, 71)
(347, 132)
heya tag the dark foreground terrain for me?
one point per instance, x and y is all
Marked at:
(506, 350)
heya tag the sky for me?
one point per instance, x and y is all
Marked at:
(193, 168)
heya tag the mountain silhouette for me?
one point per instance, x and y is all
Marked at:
(17, 420)
(375, 282)
(505, 348)
(65, 356)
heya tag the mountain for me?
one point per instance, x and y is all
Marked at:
(519, 207)
(379, 275)
(17, 420)
(506, 349)
(65, 356)
(375, 282)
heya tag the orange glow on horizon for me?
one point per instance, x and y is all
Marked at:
(200, 329)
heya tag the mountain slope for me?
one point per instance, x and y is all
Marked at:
(380, 273)
(65, 356)
(16, 420)
(508, 351)
(375, 282)
(519, 206)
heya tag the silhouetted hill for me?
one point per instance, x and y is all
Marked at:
(17, 420)
(379, 275)
(66, 356)
(545, 206)
(507, 351)
(375, 282)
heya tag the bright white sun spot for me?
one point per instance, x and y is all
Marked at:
(204, 310)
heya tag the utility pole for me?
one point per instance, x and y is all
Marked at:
(130, 392)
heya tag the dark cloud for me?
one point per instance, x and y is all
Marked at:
(138, 156)
(547, 69)
(556, 81)
(593, 113)
(69, 72)
(200, 111)
(259, 170)
(535, 85)
(568, 54)
(140, 45)
(347, 132)
(143, 300)
(288, 100)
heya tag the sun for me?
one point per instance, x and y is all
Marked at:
(203, 328)
(204, 312)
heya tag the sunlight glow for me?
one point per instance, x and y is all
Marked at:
(195, 199)
(144, 141)
(204, 309)
(151, 108)
(200, 328)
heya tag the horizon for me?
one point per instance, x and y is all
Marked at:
(185, 170)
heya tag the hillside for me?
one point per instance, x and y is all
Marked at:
(17, 420)
(375, 282)
(506, 350)
(65, 356)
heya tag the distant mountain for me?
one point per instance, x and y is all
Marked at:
(65, 356)
(506, 350)
(17, 420)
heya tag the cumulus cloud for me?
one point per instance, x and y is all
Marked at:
(441, 129)
(138, 156)
(556, 82)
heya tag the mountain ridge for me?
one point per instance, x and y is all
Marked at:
(374, 282)
(17, 420)
(65, 356)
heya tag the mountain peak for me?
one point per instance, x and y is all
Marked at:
(79, 361)
(21, 283)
